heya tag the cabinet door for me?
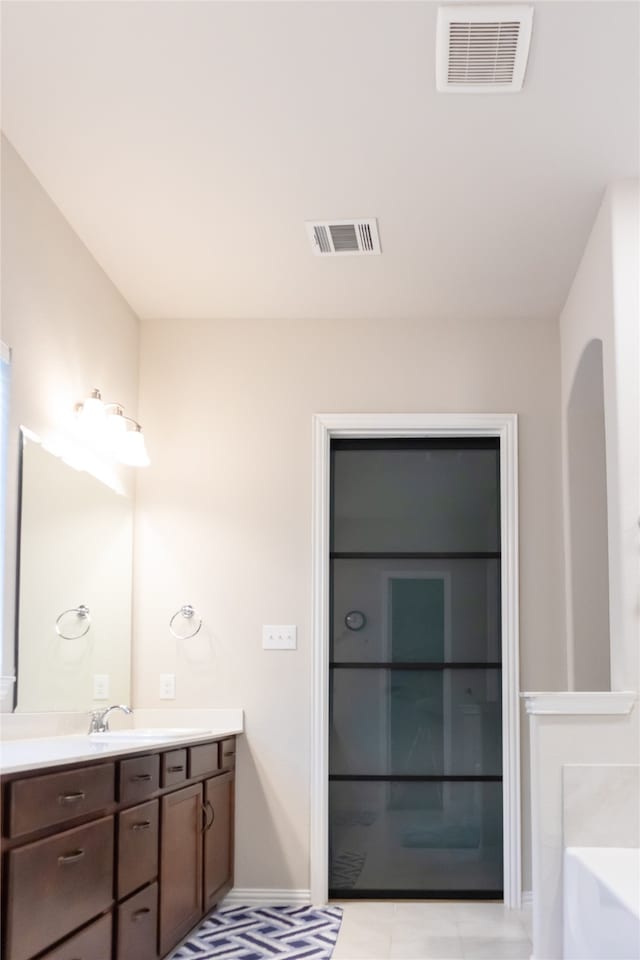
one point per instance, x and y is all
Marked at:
(218, 838)
(180, 864)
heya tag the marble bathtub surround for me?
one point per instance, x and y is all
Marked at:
(558, 740)
(601, 805)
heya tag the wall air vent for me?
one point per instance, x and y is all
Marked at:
(335, 238)
(482, 49)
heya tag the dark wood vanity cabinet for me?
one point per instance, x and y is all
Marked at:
(118, 860)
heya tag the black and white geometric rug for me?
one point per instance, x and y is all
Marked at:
(264, 933)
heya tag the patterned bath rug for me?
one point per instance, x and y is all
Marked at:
(264, 933)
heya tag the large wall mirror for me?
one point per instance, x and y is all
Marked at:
(73, 634)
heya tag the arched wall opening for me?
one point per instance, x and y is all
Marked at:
(588, 523)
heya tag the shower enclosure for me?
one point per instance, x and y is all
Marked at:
(415, 759)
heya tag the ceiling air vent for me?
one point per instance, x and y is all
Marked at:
(335, 238)
(482, 49)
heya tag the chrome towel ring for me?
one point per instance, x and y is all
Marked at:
(82, 612)
(187, 612)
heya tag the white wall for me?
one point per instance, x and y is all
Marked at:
(69, 330)
(224, 520)
(603, 304)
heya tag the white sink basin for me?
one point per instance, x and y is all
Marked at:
(151, 733)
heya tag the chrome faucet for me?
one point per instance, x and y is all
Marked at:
(99, 719)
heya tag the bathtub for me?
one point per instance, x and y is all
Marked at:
(601, 903)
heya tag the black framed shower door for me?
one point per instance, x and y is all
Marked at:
(415, 740)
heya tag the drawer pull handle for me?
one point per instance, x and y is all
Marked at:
(139, 914)
(176, 769)
(141, 778)
(65, 798)
(143, 825)
(71, 857)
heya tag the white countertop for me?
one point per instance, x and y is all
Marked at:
(20, 756)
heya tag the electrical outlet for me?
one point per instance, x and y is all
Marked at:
(167, 686)
(280, 637)
(101, 686)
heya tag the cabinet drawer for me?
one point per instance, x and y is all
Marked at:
(174, 767)
(55, 797)
(228, 754)
(137, 847)
(92, 943)
(56, 885)
(203, 759)
(137, 935)
(139, 778)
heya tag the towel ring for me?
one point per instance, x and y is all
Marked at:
(82, 613)
(188, 613)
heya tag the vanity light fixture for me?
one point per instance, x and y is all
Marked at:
(107, 421)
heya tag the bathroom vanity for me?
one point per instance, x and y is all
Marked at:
(115, 853)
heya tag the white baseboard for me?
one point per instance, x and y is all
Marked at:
(263, 896)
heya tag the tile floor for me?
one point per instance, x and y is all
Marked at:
(432, 931)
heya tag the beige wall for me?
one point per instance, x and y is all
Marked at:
(603, 304)
(69, 330)
(224, 520)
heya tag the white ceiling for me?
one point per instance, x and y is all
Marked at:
(187, 142)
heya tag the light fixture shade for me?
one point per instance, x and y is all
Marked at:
(91, 412)
(116, 425)
(132, 449)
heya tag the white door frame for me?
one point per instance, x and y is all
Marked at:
(380, 425)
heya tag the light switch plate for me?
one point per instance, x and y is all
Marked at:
(167, 686)
(101, 686)
(280, 637)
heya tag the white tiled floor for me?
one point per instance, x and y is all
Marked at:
(432, 931)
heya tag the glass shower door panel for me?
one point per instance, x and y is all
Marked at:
(464, 596)
(415, 722)
(421, 498)
(416, 838)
